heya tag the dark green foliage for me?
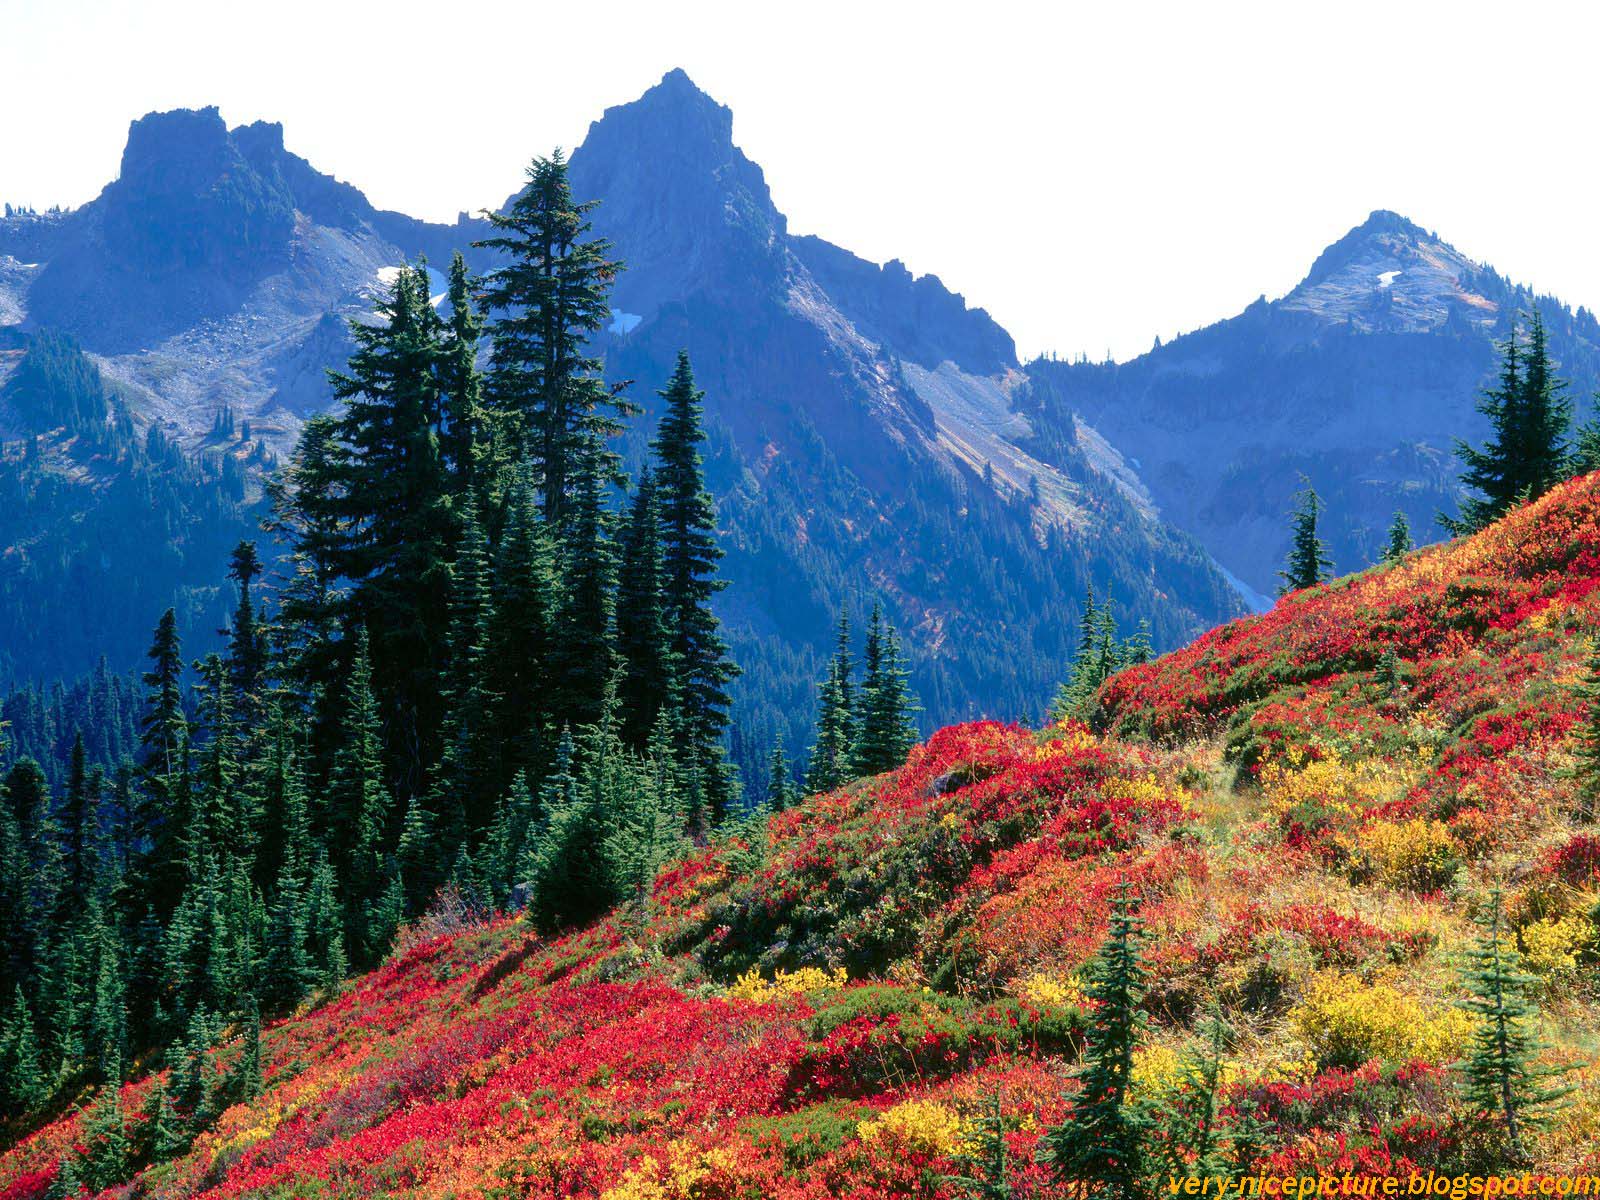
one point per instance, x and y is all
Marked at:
(829, 764)
(56, 385)
(644, 639)
(1586, 769)
(22, 1083)
(547, 300)
(1504, 1080)
(1308, 563)
(1526, 454)
(1099, 1142)
(781, 791)
(984, 1162)
(393, 498)
(690, 554)
(382, 729)
(1099, 655)
(884, 729)
(1399, 543)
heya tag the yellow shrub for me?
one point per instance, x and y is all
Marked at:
(1049, 991)
(1552, 947)
(750, 985)
(917, 1126)
(1345, 1022)
(1338, 786)
(1417, 854)
(683, 1176)
(1156, 1068)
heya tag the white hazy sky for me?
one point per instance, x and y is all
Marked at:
(1094, 175)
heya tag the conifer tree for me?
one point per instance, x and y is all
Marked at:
(307, 513)
(645, 820)
(22, 1085)
(393, 496)
(884, 732)
(984, 1160)
(690, 554)
(1099, 1143)
(1308, 563)
(80, 817)
(468, 772)
(547, 299)
(359, 802)
(285, 973)
(1504, 1078)
(1399, 542)
(569, 882)
(780, 786)
(106, 1139)
(829, 763)
(1098, 656)
(1526, 454)
(166, 1140)
(163, 769)
(520, 621)
(648, 685)
(1546, 415)
(1195, 1137)
(582, 655)
(469, 441)
(1586, 767)
(247, 643)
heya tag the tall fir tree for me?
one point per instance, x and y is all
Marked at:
(780, 784)
(1098, 1145)
(393, 497)
(247, 638)
(468, 772)
(885, 731)
(1526, 454)
(1398, 543)
(1586, 764)
(547, 298)
(829, 764)
(470, 442)
(1504, 1079)
(1308, 563)
(583, 650)
(648, 686)
(690, 554)
(521, 631)
(360, 805)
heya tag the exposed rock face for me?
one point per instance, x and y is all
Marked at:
(871, 443)
(1360, 379)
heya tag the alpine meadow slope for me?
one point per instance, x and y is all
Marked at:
(884, 989)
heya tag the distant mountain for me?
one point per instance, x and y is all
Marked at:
(1360, 378)
(865, 440)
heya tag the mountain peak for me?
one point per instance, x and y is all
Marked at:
(1383, 232)
(1390, 273)
(703, 209)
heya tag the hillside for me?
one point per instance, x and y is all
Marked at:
(1360, 378)
(825, 1005)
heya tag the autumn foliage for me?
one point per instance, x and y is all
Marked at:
(1312, 804)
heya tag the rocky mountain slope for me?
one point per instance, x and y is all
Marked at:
(864, 443)
(1313, 805)
(1360, 378)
